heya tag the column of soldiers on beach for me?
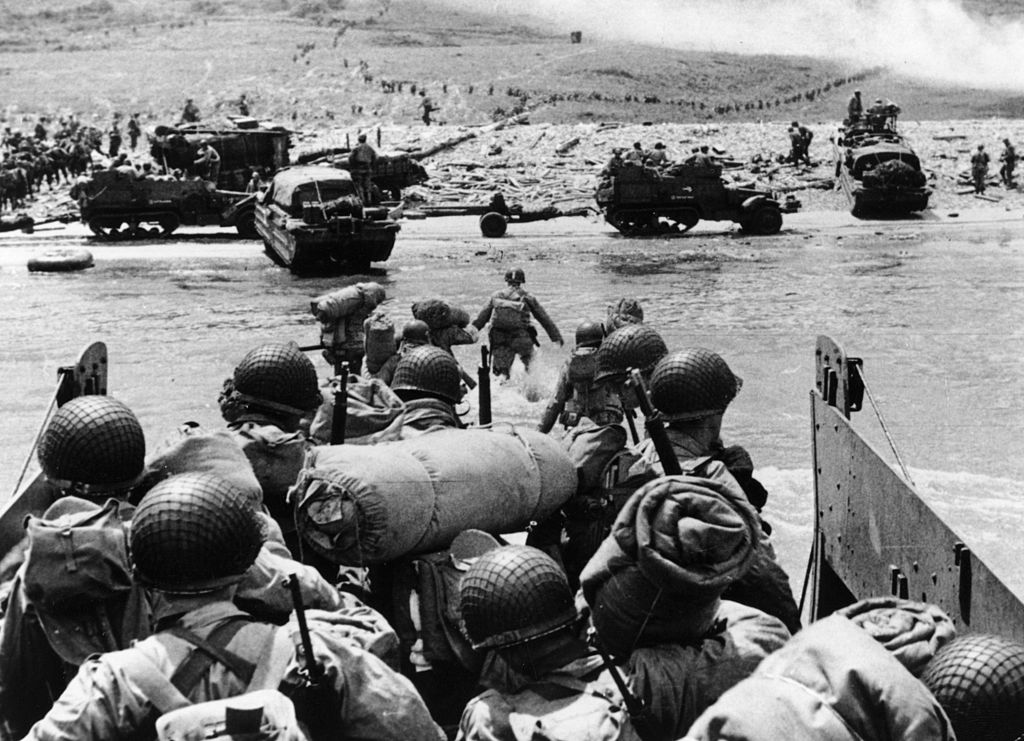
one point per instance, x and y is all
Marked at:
(151, 593)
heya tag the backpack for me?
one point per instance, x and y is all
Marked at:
(582, 369)
(261, 713)
(509, 314)
(565, 708)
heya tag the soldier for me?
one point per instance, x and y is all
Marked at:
(635, 156)
(192, 539)
(427, 106)
(415, 333)
(800, 143)
(979, 168)
(207, 163)
(134, 130)
(243, 105)
(692, 390)
(854, 108)
(509, 311)
(614, 164)
(341, 315)
(190, 114)
(255, 182)
(40, 130)
(361, 162)
(427, 380)
(571, 400)
(115, 139)
(517, 605)
(1009, 160)
(659, 157)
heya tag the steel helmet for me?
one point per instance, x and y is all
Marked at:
(589, 334)
(515, 275)
(93, 445)
(194, 533)
(514, 594)
(430, 371)
(416, 331)
(692, 384)
(632, 346)
(278, 377)
(979, 681)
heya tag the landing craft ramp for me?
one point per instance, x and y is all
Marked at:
(873, 533)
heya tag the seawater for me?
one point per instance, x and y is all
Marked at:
(936, 313)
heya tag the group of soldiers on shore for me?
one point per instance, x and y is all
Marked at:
(161, 589)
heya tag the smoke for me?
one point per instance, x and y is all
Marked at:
(936, 40)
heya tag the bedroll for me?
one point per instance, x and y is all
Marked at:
(360, 505)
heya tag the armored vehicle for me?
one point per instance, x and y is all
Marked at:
(391, 172)
(877, 168)
(243, 144)
(121, 204)
(641, 200)
(310, 218)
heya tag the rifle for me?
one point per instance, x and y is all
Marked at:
(316, 697)
(340, 416)
(312, 672)
(311, 348)
(655, 426)
(631, 421)
(484, 386)
(645, 725)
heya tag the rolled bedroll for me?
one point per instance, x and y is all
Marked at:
(361, 505)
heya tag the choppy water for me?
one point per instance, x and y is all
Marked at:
(936, 313)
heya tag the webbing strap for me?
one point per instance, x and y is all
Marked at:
(191, 671)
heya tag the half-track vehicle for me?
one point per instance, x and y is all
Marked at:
(877, 168)
(641, 200)
(121, 204)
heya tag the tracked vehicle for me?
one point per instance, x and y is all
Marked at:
(642, 201)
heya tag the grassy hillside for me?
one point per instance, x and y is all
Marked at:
(327, 62)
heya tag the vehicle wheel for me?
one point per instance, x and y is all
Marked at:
(493, 225)
(168, 223)
(245, 223)
(105, 231)
(765, 220)
(689, 219)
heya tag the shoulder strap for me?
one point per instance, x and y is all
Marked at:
(157, 688)
(277, 651)
(191, 671)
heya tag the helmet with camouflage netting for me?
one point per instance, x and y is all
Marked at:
(276, 378)
(514, 594)
(693, 384)
(194, 533)
(93, 445)
(632, 346)
(427, 371)
(978, 680)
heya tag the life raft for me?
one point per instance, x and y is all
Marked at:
(60, 261)
(360, 505)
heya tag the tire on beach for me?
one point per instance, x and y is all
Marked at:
(60, 261)
(493, 225)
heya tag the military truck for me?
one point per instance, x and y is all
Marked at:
(641, 200)
(243, 144)
(121, 204)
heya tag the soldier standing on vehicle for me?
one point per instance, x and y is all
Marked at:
(509, 311)
(191, 112)
(207, 164)
(243, 105)
(427, 106)
(134, 130)
(854, 108)
(115, 139)
(1009, 160)
(255, 182)
(192, 538)
(361, 162)
(614, 164)
(979, 168)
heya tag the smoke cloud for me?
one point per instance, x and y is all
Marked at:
(936, 40)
